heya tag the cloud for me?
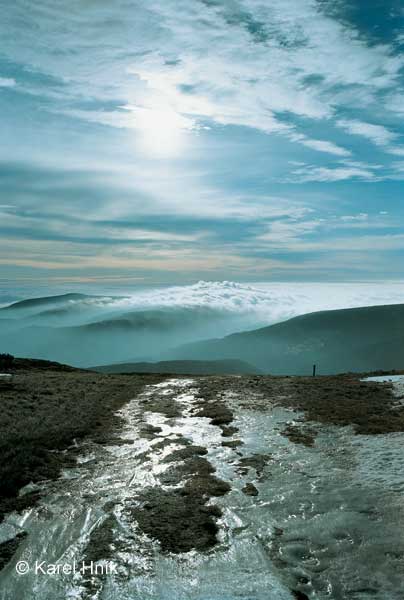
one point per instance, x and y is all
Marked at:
(131, 194)
(395, 103)
(282, 233)
(360, 217)
(379, 135)
(324, 174)
(283, 86)
(306, 235)
(398, 151)
(268, 303)
(246, 63)
(363, 243)
(7, 82)
(328, 147)
(79, 257)
(256, 304)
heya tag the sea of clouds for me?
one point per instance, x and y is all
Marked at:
(259, 303)
(170, 316)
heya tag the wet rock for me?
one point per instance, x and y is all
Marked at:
(120, 441)
(162, 443)
(228, 431)
(151, 428)
(255, 461)
(299, 435)
(232, 443)
(250, 490)
(165, 405)
(206, 487)
(300, 595)
(182, 470)
(149, 431)
(217, 412)
(185, 453)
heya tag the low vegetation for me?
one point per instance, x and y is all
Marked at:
(6, 361)
(47, 408)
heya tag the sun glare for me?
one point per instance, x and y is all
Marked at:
(163, 131)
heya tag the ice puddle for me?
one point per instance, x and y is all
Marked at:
(327, 520)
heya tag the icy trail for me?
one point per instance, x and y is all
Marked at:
(327, 520)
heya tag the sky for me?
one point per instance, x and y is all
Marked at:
(164, 142)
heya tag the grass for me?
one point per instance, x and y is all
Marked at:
(46, 410)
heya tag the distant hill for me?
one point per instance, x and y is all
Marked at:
(155, 319)
(6, 299)
(124, 336)
(34, 364)
(357, 339)
(183, 367)
(81, 330)
(46, 300)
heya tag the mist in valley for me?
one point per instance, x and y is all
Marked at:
(85, 330)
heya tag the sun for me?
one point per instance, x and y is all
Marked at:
(162, 131)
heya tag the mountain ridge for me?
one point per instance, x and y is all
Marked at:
(181, 367)
(57, 299)
(352, 339)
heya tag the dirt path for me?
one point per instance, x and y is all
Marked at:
(223, 487)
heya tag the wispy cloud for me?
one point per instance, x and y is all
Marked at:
(378, 134)
(7, 82)
(328, 147)
(341, 173)
(286, 57)
(290, 119)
